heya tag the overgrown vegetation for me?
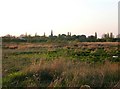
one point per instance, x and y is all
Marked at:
(61, 65)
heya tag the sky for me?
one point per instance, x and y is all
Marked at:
(62, 16)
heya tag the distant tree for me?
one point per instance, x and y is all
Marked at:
(62, 37)
(59, 35)
(74, 37)
(108, 36)
(68, 34)
(105, 36)
(96, 35)
(91, 38)
(51, 33)
(44, 34)
(111, 35)
(8, 35)
(82, 38)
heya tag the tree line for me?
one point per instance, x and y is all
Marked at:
(109, 37)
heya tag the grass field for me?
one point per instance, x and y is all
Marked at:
(69, 64)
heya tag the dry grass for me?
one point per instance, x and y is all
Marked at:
(60, 72)
(66, 73)
(30, 45)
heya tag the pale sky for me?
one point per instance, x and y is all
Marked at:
(62, 16)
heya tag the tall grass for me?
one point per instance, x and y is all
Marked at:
(66, 73)
(61, 65)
